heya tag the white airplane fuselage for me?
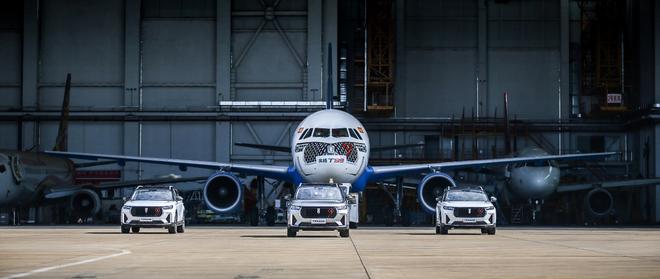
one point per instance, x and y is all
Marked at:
(330, 145)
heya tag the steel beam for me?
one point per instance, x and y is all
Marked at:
(330, 37)
(482, 98)
(400, 60)
(223, 50)
(314, 51)
(132, 130)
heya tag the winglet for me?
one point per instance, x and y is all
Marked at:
(329, 94)
(61, 141)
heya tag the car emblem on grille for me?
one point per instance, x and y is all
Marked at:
(469, 210)
(331, 149)
(318, 211)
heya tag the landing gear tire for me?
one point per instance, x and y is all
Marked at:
(491, 231)
(353, 225)
(135, 229)
(291, 232)
(344, 233)
(181, 228)
(125, 229)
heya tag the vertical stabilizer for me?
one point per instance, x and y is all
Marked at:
(62, 132)
(329, 94)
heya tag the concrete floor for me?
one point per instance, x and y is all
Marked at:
(247, 252)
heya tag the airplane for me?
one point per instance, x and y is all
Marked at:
(329, 145)
(29, 178)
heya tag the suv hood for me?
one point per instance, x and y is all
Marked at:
(468, 203)
(149, 203)
(317, 203)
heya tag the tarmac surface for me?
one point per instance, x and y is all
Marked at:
(266, 252)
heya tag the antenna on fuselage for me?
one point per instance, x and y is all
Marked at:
(329, 94)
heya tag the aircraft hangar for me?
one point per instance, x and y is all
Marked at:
(433, 80)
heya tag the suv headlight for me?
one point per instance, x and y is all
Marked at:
(168, 207)
(126, 207)
(342, 207)
(294, 207)
(490, 208)
(447, 207)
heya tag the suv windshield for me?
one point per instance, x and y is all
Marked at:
(465, 196)
(153, 195)
(319, 193)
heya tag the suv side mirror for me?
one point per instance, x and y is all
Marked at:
(125, 199)
(438, 199)
(493, 199)
(179, 198)
(350, 199)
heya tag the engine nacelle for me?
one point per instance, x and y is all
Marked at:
(85, 203)
(431, 187)
(223, 192)
(598, 203)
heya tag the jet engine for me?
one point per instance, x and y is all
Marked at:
(85, 203)
(598, 202)
(431, 187)
(223, 192)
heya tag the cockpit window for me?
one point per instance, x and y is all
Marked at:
(2, 168)
(353, 133)
(357, 134)
(302, 135)
(321, 133)
(340, 133)
(308, 133)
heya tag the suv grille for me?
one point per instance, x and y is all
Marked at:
(469, 212)
(318, 212)
(146, 211)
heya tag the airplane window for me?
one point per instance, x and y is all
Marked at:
(303, 134)
(353, 133)
(2, 168)
(321, 133)
(340, 133)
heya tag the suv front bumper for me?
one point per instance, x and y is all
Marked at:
(296, 221)
(166, 219)
(448, 219)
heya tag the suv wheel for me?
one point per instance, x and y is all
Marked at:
(491, 231)
(182, 227)
(135, 229)
(125, 229)
(484, 230)
(290, 232)
(443, 229)
(172, 228)
(344, 233)
(353, 225)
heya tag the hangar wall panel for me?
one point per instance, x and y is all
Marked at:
(10, 68)
(8, 140)
(85, 39)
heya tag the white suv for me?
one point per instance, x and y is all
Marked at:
(465, 207)
(154, 207)
(318, 207)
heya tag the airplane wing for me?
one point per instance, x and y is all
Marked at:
(66, 191)
(608, 184)
(277, 172)
(385, 172)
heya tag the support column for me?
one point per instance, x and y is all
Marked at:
(223, 50)
(482, 100)
(329, 37)
(314, 51)
(29, 97)
(656, 79)
(222, 141)
(563, 105)
(400, 60)
(132, 100)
